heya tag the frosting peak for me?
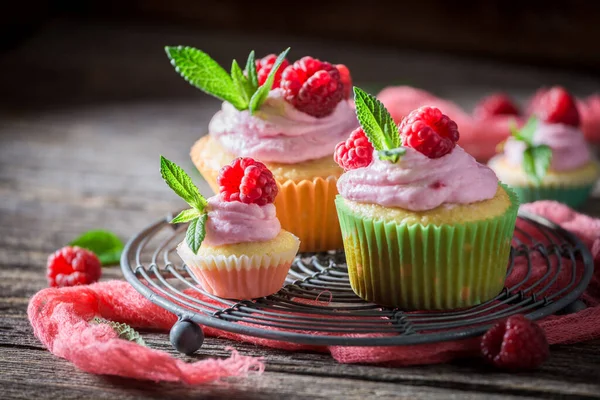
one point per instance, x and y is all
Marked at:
(280, 133)
(418, 183)
(236, 222)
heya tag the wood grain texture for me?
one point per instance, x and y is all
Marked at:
(76, 158)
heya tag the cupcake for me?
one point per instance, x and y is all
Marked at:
(234, 244)
(548, 158)
(302, 112)
(425, 226)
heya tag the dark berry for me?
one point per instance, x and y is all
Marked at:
(247, 181)
(71, 266)
(355, 152)
(429, 132)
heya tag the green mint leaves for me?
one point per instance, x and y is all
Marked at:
(181, 183)
(378, 125)
(536, 158)
(106, 245)
(123, 330)
(240, 88)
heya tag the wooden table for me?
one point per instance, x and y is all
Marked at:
(86, 111)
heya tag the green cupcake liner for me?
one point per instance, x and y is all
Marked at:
(428, 267)
(573, 196)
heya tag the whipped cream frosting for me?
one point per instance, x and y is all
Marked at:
(568, 145)
(280, 133)
(418, 183)
(232, 222)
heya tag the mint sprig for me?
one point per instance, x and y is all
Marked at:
(124, 331)
(238, 88)
(106, 245)
(536, 157)
(181, 183)
(378, 125)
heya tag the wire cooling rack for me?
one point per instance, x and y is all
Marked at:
(317, 305)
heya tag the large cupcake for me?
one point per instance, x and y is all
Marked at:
(304, 111)
(548, 158)
(234, 244)
(425, 226)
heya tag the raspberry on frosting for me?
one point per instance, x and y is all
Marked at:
(313, 86)
(264, 66)
(495, 104)
(429, 132)
(247, 181)
(556, 105)
(345, 78)
(355, 152)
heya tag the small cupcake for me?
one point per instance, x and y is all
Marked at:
(425, 226)
(289, 116)
(234, 244)
(548, 158)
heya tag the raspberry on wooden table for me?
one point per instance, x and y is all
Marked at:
(312, 86)
(516, 343)
(264, 67)
(355, 152)
(556, 105)
(71, 266)
(247, 181)
(429, 132)
(495, 104)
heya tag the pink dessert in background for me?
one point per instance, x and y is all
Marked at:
(280, 133)
(417, 182)
(236, 222)
(569, 148)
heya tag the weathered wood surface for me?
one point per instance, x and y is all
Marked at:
(86, 113)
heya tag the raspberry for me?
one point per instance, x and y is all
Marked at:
(71, 266)
(312, 86)
(495, 104)
(557, 106)
(247, 181)
(516, 343)
(345, 78)
(429, 132)
(355, 152)
(264, 66)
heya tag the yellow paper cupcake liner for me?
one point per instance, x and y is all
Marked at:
(430, 267)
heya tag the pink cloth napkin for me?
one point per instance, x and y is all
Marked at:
(61, 321)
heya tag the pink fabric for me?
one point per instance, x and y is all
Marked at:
(60, 320)
(479, 138)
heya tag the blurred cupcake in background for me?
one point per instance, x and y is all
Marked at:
(548, 157)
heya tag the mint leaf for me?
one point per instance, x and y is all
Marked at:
(106, 245)
(525, 134)
(123, 330)
(251, 71)
(262, 93)
(186, 215)
(201, 71)
(196, 232)
(536, 161)
(182, 184)
(376, 121)
(241, 82)
(391, 155)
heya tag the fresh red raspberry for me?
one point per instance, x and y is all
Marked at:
(495, 104)
(557, 106)
(355, 152)
(429, 132)
(71, 266)
(516, 343)
(345, 78)
(264, 66)
(247, 181)
(312, 86)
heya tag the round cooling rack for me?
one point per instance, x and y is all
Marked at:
(317, 305)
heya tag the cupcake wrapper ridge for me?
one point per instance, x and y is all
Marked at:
(573, 196)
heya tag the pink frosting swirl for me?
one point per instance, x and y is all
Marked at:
(236, 222)
(419, 183)
(569, 148)
(280, 133)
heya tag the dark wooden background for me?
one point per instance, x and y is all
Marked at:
(87, 104)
